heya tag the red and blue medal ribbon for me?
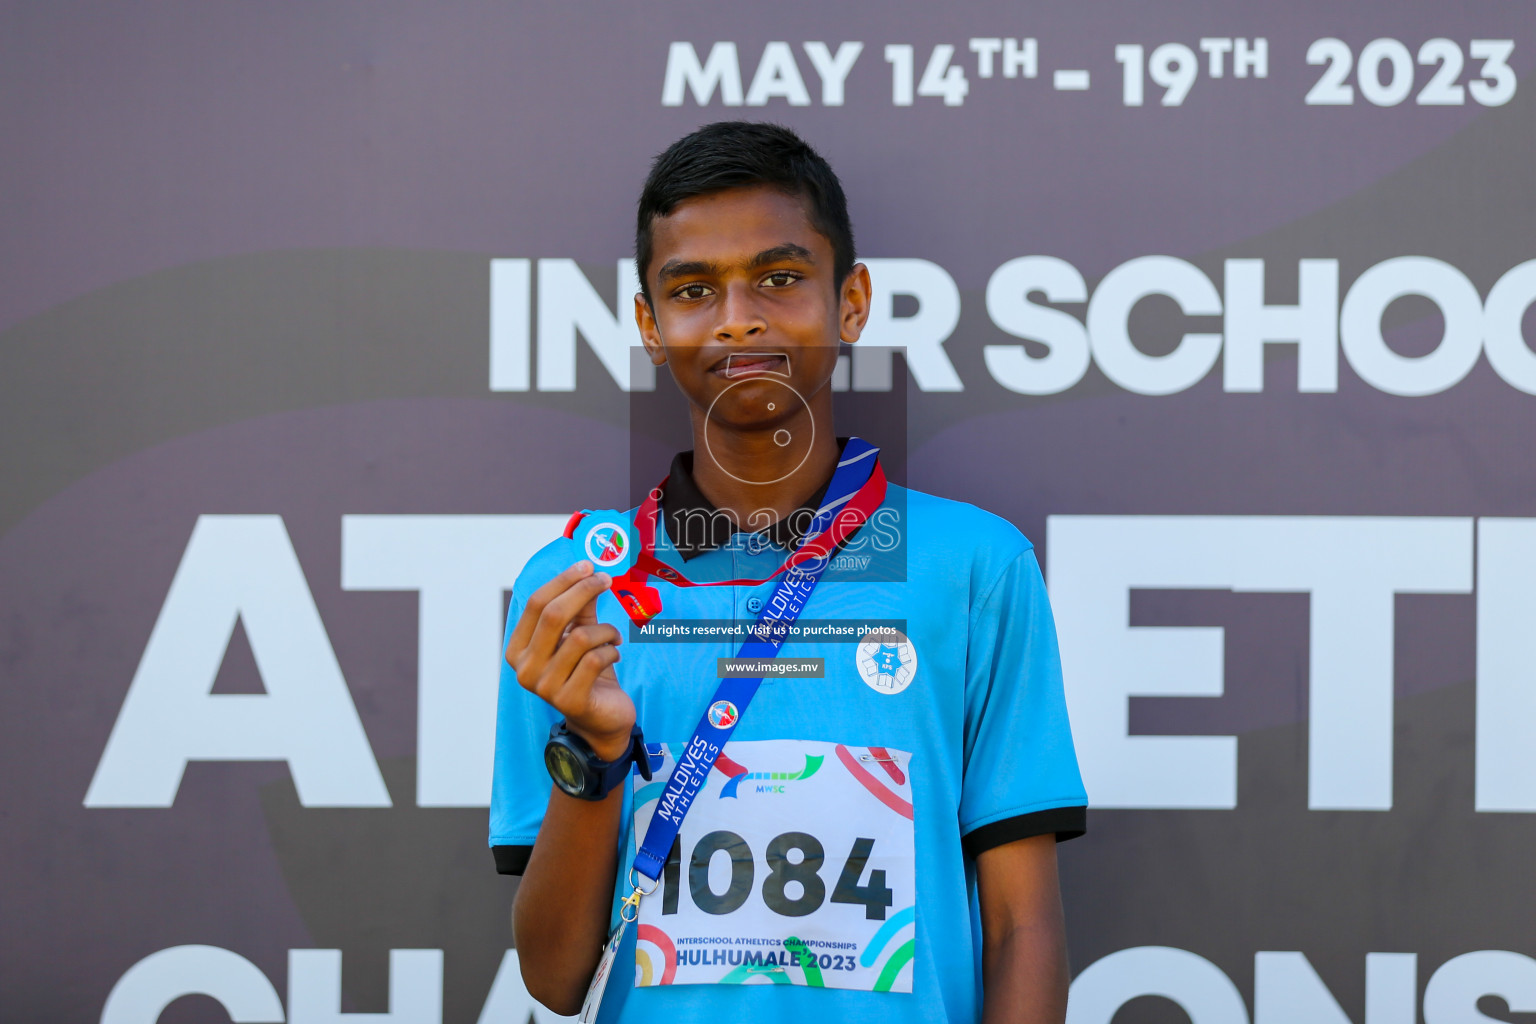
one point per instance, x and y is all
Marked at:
(835, 521)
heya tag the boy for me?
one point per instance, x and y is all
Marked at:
(874, 843)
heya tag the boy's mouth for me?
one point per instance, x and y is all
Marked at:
(752, 364)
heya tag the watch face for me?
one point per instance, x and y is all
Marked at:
(565, 768)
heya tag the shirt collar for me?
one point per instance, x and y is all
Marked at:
(695, 527)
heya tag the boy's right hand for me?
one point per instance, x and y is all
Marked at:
(562, 653)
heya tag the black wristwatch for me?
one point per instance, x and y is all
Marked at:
(580, 773)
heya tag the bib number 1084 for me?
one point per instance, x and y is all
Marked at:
(810, 890)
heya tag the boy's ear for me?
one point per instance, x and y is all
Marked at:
(854, 303)
(650, 336)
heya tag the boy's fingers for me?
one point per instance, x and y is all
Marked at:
(523, 631)
(587, 614)
(561, 611)
(533, 660)
(549, 625)
(573, 698)
(567, 656)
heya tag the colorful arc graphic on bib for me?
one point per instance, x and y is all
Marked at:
(646, 973)
(772, 780)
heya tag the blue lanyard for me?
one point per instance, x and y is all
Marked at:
(854, 470)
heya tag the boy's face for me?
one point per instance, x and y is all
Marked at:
(744, 271)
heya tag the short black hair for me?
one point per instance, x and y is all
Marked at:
(739, 154)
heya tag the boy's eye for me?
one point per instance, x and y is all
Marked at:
(693, 291)
(782, 278)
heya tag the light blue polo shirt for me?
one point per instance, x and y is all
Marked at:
(982, 718)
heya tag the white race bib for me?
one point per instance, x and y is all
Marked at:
(794, 866)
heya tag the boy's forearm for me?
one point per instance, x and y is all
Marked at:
(561, 911)
(1024, 935)
(1025, 978)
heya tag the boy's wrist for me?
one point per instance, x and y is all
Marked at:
(587, 773)
(608, 746)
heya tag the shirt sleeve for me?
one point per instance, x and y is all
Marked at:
(1021, 776)
(519, 783)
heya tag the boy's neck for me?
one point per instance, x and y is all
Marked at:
(725, 468)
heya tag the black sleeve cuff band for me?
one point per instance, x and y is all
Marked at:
(1066, 822)
(511, 860)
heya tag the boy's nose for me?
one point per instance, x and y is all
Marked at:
(740, 316)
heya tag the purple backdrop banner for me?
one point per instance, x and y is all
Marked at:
(314, 325)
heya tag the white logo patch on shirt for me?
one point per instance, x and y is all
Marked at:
(886, 660)
(794, 866)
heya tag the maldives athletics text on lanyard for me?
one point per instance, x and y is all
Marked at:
(856, 490)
